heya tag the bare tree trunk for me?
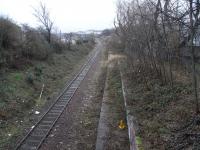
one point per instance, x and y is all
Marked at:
(169, 53)
(193, 57)
(49, 36)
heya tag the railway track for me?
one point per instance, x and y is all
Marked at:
(36, 136)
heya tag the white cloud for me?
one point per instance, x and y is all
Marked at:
(68, 15)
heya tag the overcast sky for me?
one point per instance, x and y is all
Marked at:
(68, 15)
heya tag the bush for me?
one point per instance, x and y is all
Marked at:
(58, 46)
(115, 43)
(10, 34)
(10, 41)
(30, 78)
(35, 46)
(38, 71)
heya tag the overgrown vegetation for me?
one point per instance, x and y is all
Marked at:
(30, 59)
(164, 115)
(160, 39)
(118, 138)
(20, 90)
(161, 34)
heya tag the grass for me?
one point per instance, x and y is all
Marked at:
(118, 137)
(115, 91)
(20, 90)
(139, 143)
(160, 110)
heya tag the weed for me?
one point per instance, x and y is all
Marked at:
(18, 76)
(40, 102)
(139, 143)
(30, 78)
(38, 71)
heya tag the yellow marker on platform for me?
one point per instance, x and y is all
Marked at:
(122, 124)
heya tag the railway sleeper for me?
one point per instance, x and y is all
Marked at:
(65, 96)
(75, 85)
(45, 127)
(58, 106)
(32, 143)
(64, 100)
(87, 69)
(61, 102)
(56, 111)
(36, 137)
(50, 118)
(71, 91)
(28, 147)
(81, 77)
(71, 88)
(40, 132)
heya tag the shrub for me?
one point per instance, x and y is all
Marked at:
(30, 78)
(35, 46)
(18, 76)
(115, 43)
(58, 46)
(38, 71)
(10, 33)
(10, 41)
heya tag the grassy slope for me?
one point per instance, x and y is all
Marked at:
(20, 90)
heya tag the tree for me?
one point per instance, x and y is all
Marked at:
(194, 10)
(43, 16)
(153, 31)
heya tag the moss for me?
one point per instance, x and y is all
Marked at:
(139, 143)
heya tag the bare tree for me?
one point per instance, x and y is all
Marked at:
(194, 17)
(153, 30)
(43, 16)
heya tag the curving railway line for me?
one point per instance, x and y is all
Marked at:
(36, 136)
